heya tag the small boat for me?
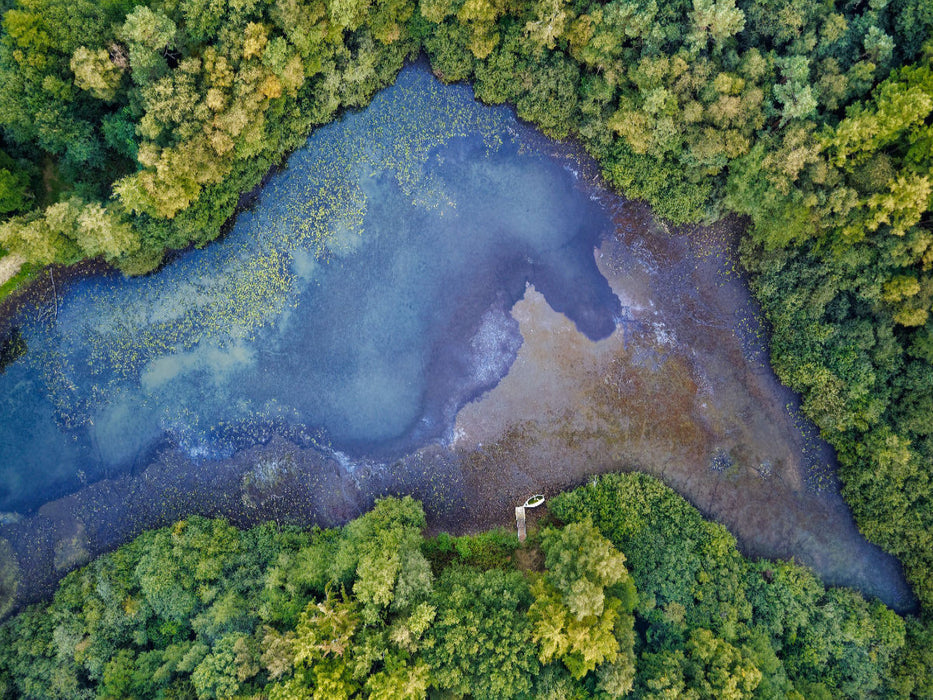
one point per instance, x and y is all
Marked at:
(535, 501)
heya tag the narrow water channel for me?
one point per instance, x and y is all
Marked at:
(400, 299)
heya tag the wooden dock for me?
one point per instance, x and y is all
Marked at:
(532, 502)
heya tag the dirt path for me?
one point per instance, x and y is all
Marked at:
(9, 266)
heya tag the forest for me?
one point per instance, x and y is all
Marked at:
(131, 130)
(623, 588)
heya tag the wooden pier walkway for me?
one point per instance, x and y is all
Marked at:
(532, 502)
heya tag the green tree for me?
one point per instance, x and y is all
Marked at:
(14, 185)
(714, 22)
(95, 72)
(382, 550)
(580, 643)
(716, 669)
(148, 34)
(581, 564)
(480, 643)
(217, 675)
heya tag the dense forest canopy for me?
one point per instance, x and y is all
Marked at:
(132, 129)
(627, 591)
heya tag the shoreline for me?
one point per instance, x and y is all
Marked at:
(514, 440)
(674, 392)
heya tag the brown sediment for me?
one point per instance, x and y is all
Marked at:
(681, 394)
(682, 390)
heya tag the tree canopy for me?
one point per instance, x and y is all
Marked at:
(132, 129)
(375, 610)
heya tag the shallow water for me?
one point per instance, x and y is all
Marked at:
(358, 306)
(413, 306)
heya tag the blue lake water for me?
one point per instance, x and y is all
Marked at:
(360, 303)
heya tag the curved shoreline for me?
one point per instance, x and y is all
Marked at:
(673, 392)
(512, 440)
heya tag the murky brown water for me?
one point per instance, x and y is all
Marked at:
(681, 390)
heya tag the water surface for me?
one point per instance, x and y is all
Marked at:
(358, 306)
(413, 306)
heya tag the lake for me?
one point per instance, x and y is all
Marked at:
(429, 298)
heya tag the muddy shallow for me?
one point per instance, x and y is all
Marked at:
(678, 386)
(686, 398)
(681, 391)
